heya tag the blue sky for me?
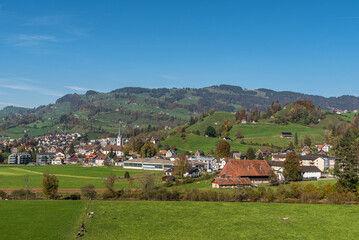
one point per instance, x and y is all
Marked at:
(51, 48)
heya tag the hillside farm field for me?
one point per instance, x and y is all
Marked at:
(176, 220)
(69, 176)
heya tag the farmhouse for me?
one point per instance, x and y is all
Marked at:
(148, 164)
(255, 171)
(286, 135)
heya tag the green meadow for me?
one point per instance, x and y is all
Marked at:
(194, 142)
(69, 176)
(176, 220)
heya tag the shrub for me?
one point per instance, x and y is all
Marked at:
(23, 194)
(88, 191)
(127, 175)
(3, 195)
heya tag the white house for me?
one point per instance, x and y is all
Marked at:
(277, 168)
(171, 154)
(310, 172)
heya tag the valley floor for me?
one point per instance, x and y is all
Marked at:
(176, 220)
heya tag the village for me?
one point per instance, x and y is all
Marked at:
(234, 171)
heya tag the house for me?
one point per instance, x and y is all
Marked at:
(171, 154)
(154, 140)
(209, 163)
(44, 157)
(148, 164)
(199, 153)
(310, 173)
(278, 156)
(19, 158)
(265, 153)
(286, 135)
(306, 150)
(277, 168)
(162, 153)
(256, 171)
(57, 161)
(193, 172)
(103, 160)
(323, 147)
(313, 160)
(116, 149)
(91, 159)
(72, 159)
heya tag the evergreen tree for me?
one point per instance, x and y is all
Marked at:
(71, 149)
(296, 139)
(260, 156)
(251, 155)
(347, 150)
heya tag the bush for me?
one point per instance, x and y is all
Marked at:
(74, 196)
(127, 175)
(23, 194)
(88, 192)
(109, 194)
(3, 195)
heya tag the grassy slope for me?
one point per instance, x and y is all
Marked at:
(41, 219)
(208, 220)
(194, 142)
(215, 120)
(70, 177)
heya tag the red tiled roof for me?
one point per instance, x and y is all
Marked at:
(246, 168)
(232, 181)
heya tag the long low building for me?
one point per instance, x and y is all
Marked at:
(149, 164)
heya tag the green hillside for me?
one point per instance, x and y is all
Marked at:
(194, 142)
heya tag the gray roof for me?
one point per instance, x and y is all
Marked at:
(151, 160)
(310, 169)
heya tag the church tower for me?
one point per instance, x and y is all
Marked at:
(119, 138)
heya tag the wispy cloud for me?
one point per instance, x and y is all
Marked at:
(25, 40)
(77, 88)
(19, 85)
(46, 20)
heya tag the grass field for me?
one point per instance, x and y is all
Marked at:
(41, 219)
(194, 142)
(177, 220)
(69, 176)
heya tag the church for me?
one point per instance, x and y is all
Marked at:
(118, 148)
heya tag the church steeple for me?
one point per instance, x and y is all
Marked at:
(119, 137)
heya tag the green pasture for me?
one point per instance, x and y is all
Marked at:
(177, 220)
(215, 120)
(194, 142)
(69, 176)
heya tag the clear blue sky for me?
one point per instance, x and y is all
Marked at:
(51, 48)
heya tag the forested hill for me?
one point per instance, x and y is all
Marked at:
(101, 112)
